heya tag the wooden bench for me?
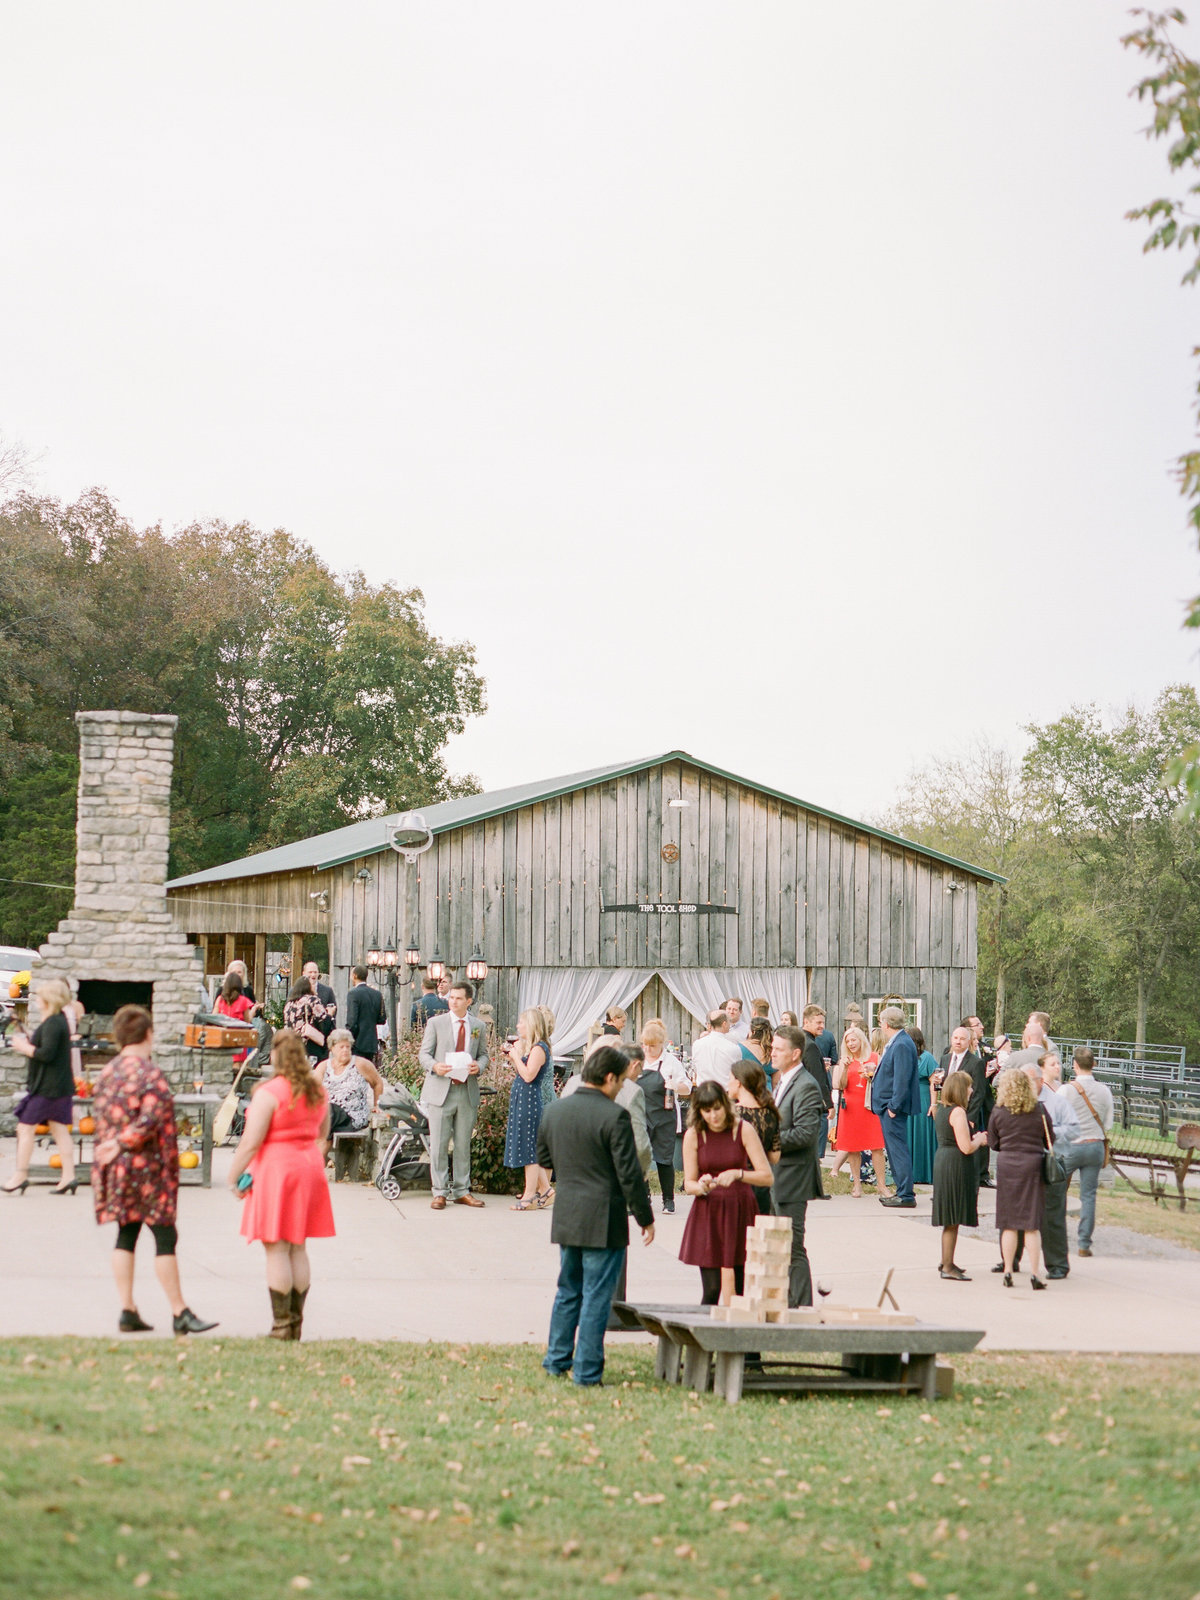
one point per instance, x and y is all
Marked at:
(702, 1353)
(352, 1149)
(1137, 1147)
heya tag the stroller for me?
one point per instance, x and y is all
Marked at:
(407, 1153)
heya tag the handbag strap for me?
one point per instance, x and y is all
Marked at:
(1046, 1130)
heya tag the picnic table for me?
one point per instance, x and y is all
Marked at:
(892, 1357)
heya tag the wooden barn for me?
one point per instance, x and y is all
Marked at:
(663, 885)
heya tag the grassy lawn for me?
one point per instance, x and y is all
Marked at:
(247, 1469)
(1122, 1207)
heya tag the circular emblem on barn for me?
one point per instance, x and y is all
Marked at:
(670, 852)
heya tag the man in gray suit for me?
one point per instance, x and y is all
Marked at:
(798, 1172)
(450, 1105)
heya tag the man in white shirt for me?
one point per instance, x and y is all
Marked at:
(714, 1053)
(739, 1028)
(1092, 1103)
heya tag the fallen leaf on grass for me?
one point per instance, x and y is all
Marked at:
(611, 1491)
(109, 1461)
(739, 1527)
(684, 1552)
(938, 1477)
(917, 1581)
(572, 1547)
(142, 1579)
(649, 1499)
(301, 1582)
(350, 1462)
(224, 1494)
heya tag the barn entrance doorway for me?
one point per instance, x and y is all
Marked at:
(656, 1000)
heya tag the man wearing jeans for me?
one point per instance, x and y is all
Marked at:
(1092, 1103)
(587, 1139)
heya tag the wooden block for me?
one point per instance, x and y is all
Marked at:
(803, 1316)
(945, 1381)
(779, 1315)
(766, 1223)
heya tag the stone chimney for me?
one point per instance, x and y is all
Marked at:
(119, 943)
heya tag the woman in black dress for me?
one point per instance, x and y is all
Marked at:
(50, 1085)
(662, 1082)
(1020, 1131)
(753, 1102)
(955, 1197)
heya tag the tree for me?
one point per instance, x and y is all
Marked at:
(975, 807)
(306, 700)
(1101, 792)
(1173, 90)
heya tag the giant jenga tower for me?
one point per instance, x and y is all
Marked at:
(768, 1257)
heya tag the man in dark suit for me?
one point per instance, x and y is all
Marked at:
(812, 1021)
(798, 1171)
(587, 1139)
(429, 1005)
(961, 1057)
(364, 1014)
(896, 1096)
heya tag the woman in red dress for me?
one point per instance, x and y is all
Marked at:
(858, 1128)
(135, 1166)
(723, 1162)
(234, 1002)
(288, 1201)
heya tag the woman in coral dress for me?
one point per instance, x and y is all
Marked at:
(288, 1201)
(858, 1128)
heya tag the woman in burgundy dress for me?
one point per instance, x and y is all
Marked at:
(288, 1202)
(135, 1166)
(723, 1162)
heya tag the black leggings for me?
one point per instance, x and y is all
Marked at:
(166, 1237)
(710, 1284)
(666, 1181)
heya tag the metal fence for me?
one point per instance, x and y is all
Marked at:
(1159, 1106)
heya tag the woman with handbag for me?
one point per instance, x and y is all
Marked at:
(1019, 1131)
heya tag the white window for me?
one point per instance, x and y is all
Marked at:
(913, 1010)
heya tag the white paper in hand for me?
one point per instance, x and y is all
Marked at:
(460, 1063)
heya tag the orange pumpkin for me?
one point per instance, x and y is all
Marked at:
(42, 1127)
(56, 1159)
(188, 1159)
(87, 1124)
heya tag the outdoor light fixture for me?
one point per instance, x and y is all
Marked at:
(387, 958)
(436, 968)
(477, 967)
(364, 876)
(375, 954)
(412, 957)
(678, 805)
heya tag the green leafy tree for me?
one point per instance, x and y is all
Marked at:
(306, 699)
(1101, 792)
(1172, 88)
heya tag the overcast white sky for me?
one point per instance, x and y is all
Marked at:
(775, 381)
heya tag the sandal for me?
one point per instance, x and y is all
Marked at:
(541, 1201)
(525, 1205)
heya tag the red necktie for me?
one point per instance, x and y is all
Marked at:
(462, 1037)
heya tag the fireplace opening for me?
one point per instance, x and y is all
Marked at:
(101, 998)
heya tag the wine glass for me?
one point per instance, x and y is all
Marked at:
(824, 1288)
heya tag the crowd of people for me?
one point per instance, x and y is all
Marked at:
(740, 1126)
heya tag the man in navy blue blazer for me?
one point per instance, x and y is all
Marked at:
(896, 1096)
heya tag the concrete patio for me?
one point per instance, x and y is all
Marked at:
(404, 1272)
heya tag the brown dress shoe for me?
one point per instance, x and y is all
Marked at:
(438, 1203)
(467, 1200)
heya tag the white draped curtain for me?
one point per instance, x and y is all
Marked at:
(580, 996)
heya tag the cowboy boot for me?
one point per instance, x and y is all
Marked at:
(299, 1296)
(281, 1311)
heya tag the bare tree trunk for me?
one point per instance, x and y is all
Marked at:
(1001, 996)
(1140, 1036)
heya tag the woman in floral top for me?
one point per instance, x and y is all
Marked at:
(305, 1014)
(135, 1166)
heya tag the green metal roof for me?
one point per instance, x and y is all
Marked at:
(325, 850)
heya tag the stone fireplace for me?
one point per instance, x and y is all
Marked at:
(119, 945)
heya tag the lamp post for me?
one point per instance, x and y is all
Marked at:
(477, 968)
(385, 961)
